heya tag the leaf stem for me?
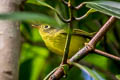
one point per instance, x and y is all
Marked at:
(68, 39)
(85, 15)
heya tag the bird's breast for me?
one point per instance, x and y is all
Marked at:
(57, 43)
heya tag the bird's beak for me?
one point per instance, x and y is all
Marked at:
(36, 26)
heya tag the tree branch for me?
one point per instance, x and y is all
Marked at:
(106, 54)
(94, 40)
(102, 31)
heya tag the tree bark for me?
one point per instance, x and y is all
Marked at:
(9, 42)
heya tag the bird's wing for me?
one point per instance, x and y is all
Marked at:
(80, 33)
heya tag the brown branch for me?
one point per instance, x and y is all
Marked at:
(79, 6)
(65, 2)
(72, 7)
(102, 31)
(106, 54)
(94, 40)
(84, 51)
(57, 74)
(68, 4)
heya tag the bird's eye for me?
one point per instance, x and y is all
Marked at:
(46, 26)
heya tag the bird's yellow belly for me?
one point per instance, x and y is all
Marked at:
(57, 44)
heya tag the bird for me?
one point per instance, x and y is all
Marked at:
(55, 39)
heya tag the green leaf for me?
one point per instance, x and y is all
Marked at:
(86, 69)
(107, 7)
(90, 11)
(118, 76)
(98, 59)
(31, 1)
(29, 16)
(38, 2)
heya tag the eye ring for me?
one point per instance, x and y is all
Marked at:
(46, 26)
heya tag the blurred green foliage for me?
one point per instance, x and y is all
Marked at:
(37, 61)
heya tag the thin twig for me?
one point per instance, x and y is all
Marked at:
(68, 4)
(71, 7)
(66, 49)
(106, 54)
(65, 2)
(80, 18)
(86, 14)
(79, 6)
(63, 19)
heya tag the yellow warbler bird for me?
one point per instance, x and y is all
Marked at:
(55, 39)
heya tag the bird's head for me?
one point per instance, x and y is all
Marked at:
(45, 29)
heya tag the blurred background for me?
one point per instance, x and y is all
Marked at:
(37, 61)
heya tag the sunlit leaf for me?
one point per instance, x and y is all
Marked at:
(118, 77)
(107, 7)
(90, 11)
